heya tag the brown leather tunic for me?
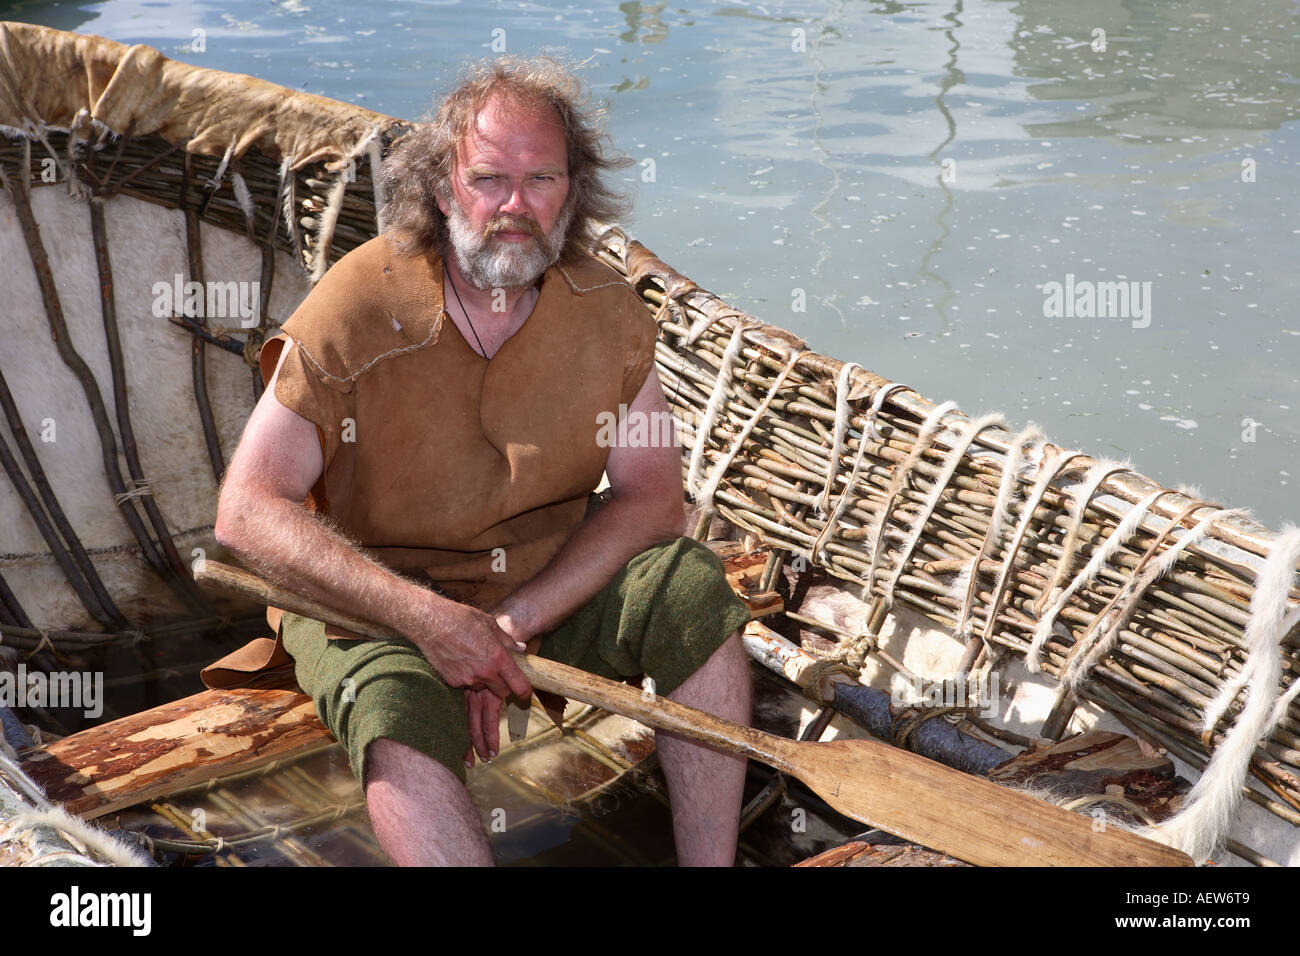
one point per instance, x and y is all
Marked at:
(440, 462)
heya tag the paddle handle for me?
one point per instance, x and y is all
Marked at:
(655, 711)
(543, 674)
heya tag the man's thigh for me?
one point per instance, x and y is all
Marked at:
(662, 615)
(367, 689)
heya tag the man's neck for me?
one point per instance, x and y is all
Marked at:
(494, 315)
(493, 305)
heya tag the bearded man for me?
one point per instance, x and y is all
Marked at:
(422, 457)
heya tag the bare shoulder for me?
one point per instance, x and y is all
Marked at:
(647, 458)
(280, 452)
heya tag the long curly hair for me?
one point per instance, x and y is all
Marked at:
(420, 164)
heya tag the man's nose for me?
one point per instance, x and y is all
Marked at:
(515, 204)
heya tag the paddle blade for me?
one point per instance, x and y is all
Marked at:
(966, 817)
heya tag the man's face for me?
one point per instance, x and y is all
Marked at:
(507, 212)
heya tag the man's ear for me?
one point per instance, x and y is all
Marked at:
(442, 203)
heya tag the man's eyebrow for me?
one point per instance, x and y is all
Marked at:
(489, 171)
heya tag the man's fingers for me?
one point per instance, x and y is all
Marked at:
(484, 712)
(475, 714)
(519, 685)
(492, 723)
(494, 684)
(510, 678)
(508, 642)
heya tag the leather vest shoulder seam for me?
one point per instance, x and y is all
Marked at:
(433, 332)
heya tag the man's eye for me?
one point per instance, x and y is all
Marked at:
(484, 179)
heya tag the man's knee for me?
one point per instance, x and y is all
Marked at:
(726, 671)
(373, 693)
(390, 762)
(385, 760)
(730, 658)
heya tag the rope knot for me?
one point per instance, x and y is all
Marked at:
(903, 728)
(848, 658)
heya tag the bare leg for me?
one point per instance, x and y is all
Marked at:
(705, 786)
(421, 812)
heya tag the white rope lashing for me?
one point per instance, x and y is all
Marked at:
(1014, 463)
(1106, 632)
(705, 496)
(1114, 541)
(842, 413)
(869, 431)
(966, 437)
(879, 526)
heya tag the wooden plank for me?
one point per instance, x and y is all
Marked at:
(863, 853)
(175, 746)
(744, 574)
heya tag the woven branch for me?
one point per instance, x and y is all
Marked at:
(1180, 641)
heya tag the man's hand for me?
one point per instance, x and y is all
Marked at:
(483, 708)
(468, 648)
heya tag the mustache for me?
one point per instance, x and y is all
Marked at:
(511, 224)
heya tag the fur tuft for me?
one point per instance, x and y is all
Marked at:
(244, 198)
(1208, 812)
(100, 843)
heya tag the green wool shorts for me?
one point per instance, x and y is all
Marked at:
(662, 615)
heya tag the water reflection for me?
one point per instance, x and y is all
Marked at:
(1162, 72)
(643, 16)
(951, 78)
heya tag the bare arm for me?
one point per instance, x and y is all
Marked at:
(260, 517)
(645, 508)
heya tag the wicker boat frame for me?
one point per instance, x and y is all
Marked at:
(983, 529)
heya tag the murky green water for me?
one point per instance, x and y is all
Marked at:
(915, 174)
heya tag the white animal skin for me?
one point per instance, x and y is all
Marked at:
(146, 246)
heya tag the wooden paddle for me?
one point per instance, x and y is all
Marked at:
(919, 800)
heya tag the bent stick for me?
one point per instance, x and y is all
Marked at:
(964, 816)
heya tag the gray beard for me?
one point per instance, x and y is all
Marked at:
(488, 264)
